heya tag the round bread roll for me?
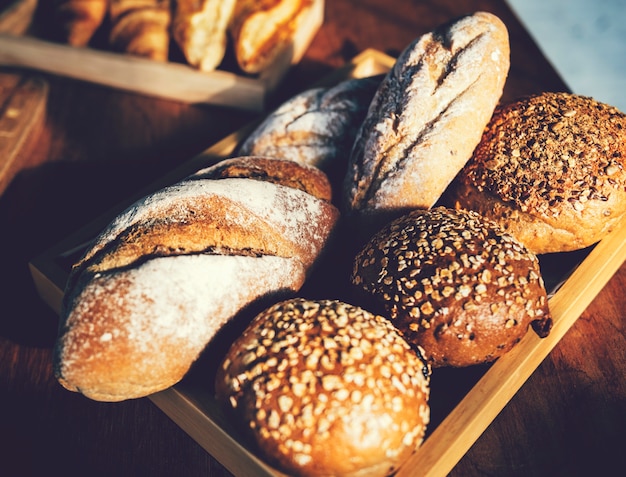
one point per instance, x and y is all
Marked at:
(550, 170)
(327, 388)
(453, 283)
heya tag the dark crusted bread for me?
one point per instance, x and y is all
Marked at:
(426, 118)
(327, 388)
(453, 283)
(550, 169)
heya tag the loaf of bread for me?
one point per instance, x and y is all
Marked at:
(262, 30)
(327, 388)
(168, 273)
(200, 29)
(426, 118)
(551, 170)
(141, 27)
(78, 20)
(455, 284)
(315, 127)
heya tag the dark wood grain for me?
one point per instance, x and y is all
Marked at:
(98, 146)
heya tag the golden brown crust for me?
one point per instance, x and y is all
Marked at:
(263, 29)
(79, 19)
(327, 388)
(141, 27)
(199, 27)
(455, 284)
(163, 278)
(550, 169)
(427, 117)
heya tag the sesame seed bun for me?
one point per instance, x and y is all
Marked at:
(326, 388)
(550, 169)
(453, 283)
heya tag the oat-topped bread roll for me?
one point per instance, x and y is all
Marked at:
(263, 29)
(327, 388)
(169, 272)
(454, 283)
(78, 20)
(141, 27)
(199, 27)
(550, 169)
(427, 117)
(316, 127)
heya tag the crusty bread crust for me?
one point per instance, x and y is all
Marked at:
(427, 117)
(551, 170)
(79, 20)
(175, 267)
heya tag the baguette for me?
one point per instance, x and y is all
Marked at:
(168, 273)
(426, 118)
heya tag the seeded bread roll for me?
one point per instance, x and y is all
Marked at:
(426, 118)
(455, 284)
(316, 127)
(550, 169)
(327, 388)
(167, 274)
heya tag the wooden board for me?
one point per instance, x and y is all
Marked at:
(22, 115)
(168, 80)
(463, 402)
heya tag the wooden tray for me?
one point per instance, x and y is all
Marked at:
(463, 401)
(168, 80)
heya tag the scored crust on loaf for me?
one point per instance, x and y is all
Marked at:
(427, 117)
(145, 326)
(551, 170)
(316, 127)
(455, 284)
(79, 20)
(281, 171)
(196, 252)
(200, 28)
(327, 388)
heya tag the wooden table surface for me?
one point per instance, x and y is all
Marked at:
(97, 146)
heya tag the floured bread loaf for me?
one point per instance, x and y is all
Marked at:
(316, 127)
(157, 284)
(199, 27)
(426, 118)
(551, 170)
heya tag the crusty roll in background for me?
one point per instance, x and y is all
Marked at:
(327, 388)
(262, 30)
(141, 27)
(551, 170)
(200, 28)
(427, 117)
(455, 284)
(78, 20)
(162, 279)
